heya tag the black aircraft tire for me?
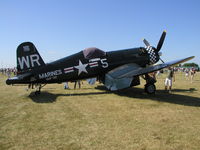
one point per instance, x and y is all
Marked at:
(150, 88)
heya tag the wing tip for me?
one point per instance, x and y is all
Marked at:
(191, 57)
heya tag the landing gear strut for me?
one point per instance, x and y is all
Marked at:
(36, 86)
(150, 87)
(38, 89)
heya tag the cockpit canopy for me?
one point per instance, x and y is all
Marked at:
(93, 52)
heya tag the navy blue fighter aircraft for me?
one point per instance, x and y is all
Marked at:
(115, 69)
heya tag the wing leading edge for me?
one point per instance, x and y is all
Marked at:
(141, 71)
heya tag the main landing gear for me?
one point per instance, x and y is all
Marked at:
(149, 87)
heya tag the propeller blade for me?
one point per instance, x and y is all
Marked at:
(161, 41)
(146, 42)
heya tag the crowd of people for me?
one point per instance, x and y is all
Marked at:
(189, 74)
(8, 71)
(170, 78)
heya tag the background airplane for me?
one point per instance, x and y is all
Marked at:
(115, 69)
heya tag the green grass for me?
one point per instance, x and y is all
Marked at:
(93, 118)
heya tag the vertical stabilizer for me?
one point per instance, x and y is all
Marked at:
(28, 57)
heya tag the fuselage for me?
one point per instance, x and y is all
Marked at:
(77, 67)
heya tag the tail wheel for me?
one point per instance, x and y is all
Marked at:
(150, 88)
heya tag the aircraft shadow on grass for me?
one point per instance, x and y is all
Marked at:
(160, 96)
(46, 97)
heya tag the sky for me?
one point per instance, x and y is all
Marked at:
(59, 28)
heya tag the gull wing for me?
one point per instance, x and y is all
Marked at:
(122, 77)
(141, 71)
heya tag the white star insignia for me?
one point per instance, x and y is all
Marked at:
(81, 67)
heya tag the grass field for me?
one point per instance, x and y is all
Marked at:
(96, 119)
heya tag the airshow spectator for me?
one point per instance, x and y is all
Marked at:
(168, 80)
(192, 72)
(79, 84)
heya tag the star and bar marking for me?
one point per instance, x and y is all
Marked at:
(82, 67)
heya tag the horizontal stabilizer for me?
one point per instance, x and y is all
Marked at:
(20, 79)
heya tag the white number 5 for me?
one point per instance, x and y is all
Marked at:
(104, 63)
